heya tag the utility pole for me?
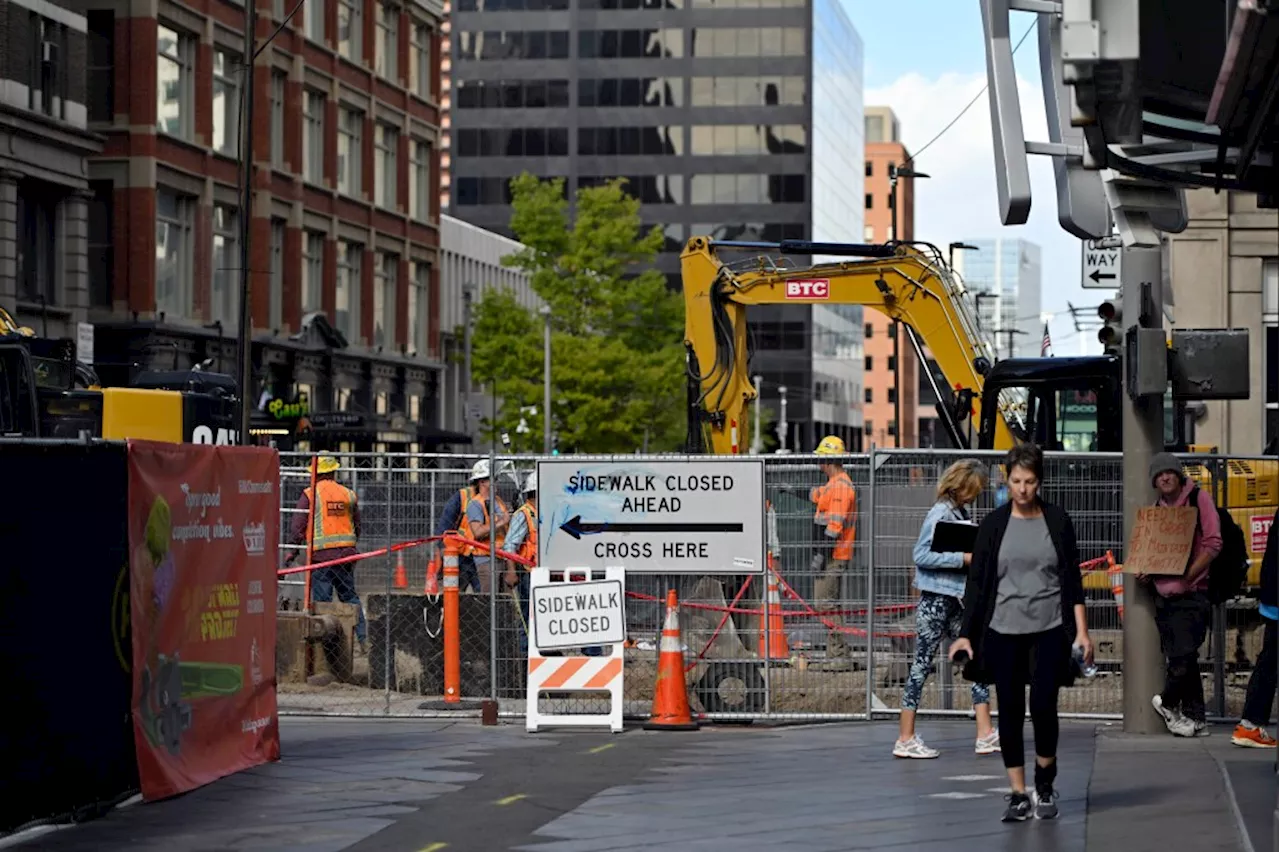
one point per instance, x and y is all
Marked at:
(757, 445)
(1143, 424)
(244, 325)
(466, 358)
(897, 389)
(783, 426)
(545, 310)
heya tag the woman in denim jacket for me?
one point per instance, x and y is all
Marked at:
(940, 577)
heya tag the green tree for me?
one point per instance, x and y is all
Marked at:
(617, 374)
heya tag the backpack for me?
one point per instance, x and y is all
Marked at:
(1230, 567)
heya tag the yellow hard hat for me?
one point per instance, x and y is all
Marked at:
(830, 446)
(327, 464)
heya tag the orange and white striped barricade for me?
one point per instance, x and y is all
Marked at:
(568, 613)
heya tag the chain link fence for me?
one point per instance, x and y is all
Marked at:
(807, 639)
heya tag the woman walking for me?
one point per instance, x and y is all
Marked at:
(1023, 606)
(940, 577)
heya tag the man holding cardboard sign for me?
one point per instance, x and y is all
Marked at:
(1173, 545)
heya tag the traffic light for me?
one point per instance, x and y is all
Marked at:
(1111, 335)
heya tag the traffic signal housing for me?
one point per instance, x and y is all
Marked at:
(1111, 335)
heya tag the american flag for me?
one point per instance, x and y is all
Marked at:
(1045, 345)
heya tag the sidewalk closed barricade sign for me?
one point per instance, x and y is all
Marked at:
(572, 615)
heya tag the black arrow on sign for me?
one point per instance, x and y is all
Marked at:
(577, 527)
(1098, 275)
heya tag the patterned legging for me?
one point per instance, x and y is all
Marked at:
(936, 616)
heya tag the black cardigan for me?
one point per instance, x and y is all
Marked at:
(980, 591)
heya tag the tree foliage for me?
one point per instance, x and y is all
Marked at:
(617, 363)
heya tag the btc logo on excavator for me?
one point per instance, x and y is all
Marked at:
(809, 288)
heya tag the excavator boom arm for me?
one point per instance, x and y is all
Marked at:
(899, 281)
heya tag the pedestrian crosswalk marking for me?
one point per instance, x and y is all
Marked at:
(972, 778)
(956, 795)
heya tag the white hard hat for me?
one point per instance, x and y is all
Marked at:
(480, 470)
(531, 483)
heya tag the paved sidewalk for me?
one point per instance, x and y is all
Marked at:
(427, 786)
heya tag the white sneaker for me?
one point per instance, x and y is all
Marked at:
(1201, 729)
(1173, 719)
(914, 749)
(990, 744)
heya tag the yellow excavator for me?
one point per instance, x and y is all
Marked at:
(45, 392)
(1070, 403)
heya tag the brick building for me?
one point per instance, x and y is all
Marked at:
(44, 188)
(345, 270)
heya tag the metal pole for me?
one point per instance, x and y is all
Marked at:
(871, 582)
(897, 389)
(386, 647)
(244, 325)
(1143, 425)
(494, 476)
(466, 358)
(893, 201)
(546, 380)
(757, 444)
(783, 426)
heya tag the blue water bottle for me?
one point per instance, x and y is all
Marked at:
(1077, 654)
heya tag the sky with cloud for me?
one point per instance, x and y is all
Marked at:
(925, 59)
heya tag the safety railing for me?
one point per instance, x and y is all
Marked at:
(823, 644)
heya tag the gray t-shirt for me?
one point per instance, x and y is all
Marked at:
(1029, 593)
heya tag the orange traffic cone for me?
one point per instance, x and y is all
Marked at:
(1117, 584)
(432, 586)
(402, 579)
(670, 696)
(773, 636)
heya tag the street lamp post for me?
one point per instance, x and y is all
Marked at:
(896, 172)
(951, 252)
(545, 310)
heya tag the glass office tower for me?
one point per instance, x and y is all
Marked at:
(708, 108)
(1004, 277)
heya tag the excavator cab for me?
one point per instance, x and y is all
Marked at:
(1070, 404)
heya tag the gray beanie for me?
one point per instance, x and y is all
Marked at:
(1161, 462)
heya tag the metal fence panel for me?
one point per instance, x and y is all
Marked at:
(849, 628)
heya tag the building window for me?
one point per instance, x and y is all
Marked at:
(173, 254)
(893, 363)
(313, 137)
(174, 82)
(384, 299)
(866, 201)
(420, 180)
(1270, 351)
(47, 93)
(385, 49)
(224, 299)
(226, 102)
(866, 395)
(867, 427)
(385, 141)
(314, 22)
(868, 233)
(893, 394)
(350, 13)
(277, 273)
(868, 172)
(867, 362)
(416, 344)
(893, 428)
(278, 81)
(101, 243)
(101, 68)
(347, 291)
(37, 222)
(313, 272)
(868, 330)
(420, 61)
(350, 123)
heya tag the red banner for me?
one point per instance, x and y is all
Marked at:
(203, 531)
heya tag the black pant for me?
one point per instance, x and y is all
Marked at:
(1262, 683)
(1182, 621)
(1016, 661)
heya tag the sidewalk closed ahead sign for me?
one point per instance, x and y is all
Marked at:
(570, 615)
(656, 517)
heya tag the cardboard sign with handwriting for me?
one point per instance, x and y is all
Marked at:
(1161, 540)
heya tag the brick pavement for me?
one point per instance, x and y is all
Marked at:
(411, 786)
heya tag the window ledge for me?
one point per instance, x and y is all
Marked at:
(54, 311)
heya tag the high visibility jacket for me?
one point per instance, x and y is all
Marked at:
(529, 547)
(836, 505)
(464, 524)
(333, 513)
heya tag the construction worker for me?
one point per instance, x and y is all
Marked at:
(332, 534)
(832, 536)
(522, 539)
(473, 562)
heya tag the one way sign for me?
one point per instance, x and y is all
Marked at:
(1100, 267)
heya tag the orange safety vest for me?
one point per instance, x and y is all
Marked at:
(836, 506)
(334, 521)
(529, 547)
(464, 523)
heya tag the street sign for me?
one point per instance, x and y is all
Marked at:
(84, 343)
(1100, 267)
(575, 615)
(656, 517)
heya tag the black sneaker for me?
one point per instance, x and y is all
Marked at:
(1019, 807)
(1046, 805)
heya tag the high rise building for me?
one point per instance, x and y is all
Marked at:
(890, 383)
(745, 124)
(1003, 274)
